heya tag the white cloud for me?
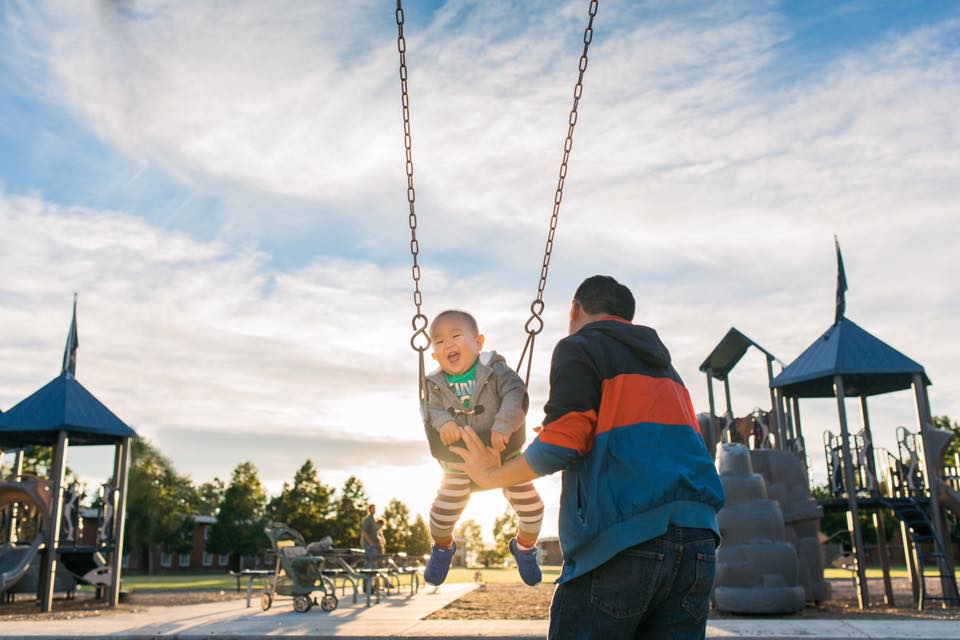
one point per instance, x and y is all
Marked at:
(699, 176)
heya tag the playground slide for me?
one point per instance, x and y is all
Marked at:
(950, 499)
(15, 561)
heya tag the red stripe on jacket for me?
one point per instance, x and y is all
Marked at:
(630, 398)
(572, 430)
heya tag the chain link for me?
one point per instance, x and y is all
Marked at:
(420, 340)
(534, 324)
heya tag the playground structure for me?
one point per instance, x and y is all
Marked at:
(914, 486)
(44, 549)
(302, 569)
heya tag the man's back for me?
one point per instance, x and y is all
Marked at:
(620, 424)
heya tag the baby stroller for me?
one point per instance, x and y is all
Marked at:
(297, 573)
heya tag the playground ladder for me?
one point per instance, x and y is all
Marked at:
(912, 513)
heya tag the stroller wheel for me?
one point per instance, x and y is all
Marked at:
(266, 601)
(329, 602)
(302, 604)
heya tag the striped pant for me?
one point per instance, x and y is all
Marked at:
(454, 494)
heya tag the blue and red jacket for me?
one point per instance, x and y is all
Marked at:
(620, 425)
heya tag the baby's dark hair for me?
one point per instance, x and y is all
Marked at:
(603, 294)
(459, 315)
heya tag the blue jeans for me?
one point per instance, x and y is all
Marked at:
(659, 589)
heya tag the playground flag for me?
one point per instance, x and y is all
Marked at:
(841, 284)
(73, 341)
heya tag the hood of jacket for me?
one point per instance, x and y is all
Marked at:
(641, 340)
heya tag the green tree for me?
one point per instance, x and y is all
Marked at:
(306, 506)
(489, 557)
(160, 503)
(37, 460)
(240, 521)
(397, 530)
(419, 542)
(209, 497)
(350, 511)
(470, 535)
(504, 530)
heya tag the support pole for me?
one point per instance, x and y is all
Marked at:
(713, 413)
(121, 472)
(17, 471)
(726, 395)
(853, 514)
(910, 560)
(878, 516)
(779, 428)
(797, 430)
(933, 470)
(48, 570)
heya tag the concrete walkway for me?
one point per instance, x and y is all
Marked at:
(402, 616)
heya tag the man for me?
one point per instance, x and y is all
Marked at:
(638, 524)
(370, 540)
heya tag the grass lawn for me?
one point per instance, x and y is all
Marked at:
(896, 571)
(225, 582)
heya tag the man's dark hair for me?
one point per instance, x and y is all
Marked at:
(603, 294)
(455, 313)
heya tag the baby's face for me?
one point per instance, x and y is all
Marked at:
(455, 345)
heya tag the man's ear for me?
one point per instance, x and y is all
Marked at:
(480, 340)
(575, 309)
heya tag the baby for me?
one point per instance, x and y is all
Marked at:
(478, 390)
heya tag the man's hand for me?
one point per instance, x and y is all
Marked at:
(498, 441)
(479, 462)
(449, 433)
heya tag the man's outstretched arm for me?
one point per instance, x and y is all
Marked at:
(483, 466)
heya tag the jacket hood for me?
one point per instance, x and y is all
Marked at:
(643, 341)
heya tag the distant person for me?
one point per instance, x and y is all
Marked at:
(381, 535)
(638, 523)
(371, 543)
(368, 535)
(479, 390)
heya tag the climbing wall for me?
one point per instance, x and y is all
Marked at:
(787, 483)
(757, 568)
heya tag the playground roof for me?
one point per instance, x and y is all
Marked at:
(868, 365)
(728, 353)
(63, 403)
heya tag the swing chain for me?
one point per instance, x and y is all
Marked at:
(420, 341)
(534, 324)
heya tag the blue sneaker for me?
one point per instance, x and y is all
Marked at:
(439, 564)
(526, 564)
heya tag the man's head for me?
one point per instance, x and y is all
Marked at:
(599, 296)
(371, 509)
(457, 341)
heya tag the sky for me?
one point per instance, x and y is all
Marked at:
(223, 184)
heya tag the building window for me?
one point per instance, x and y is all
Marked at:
(207, 559)
(206, 533)
(184, 560)
(166, 559)
(125, 561)
(224, 559)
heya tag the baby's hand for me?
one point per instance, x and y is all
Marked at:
(449, 433)
(498, 441)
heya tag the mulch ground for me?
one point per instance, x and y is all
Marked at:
(519, 602)
(85, 606)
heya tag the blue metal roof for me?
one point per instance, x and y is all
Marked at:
(63, 403)
(868, 365)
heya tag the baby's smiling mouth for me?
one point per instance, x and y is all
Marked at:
(453, 357)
